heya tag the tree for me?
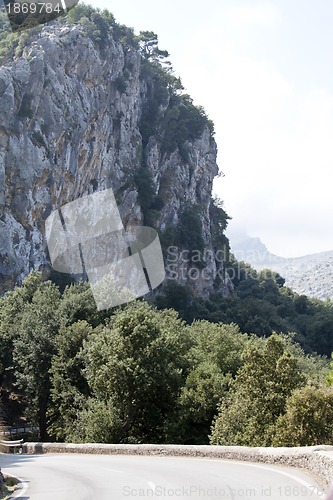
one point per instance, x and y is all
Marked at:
(78, 304)
(319, 332)
(258, 395)
(99, 421)
(135, 366)
(198, 402)
(69, 388)
(308, 420)
(33, 351)
(219, 221)
(148, 42)
(271, 280)
(190, 228)
(12, 308)
(177, 297)
(218, 344)
(98, 25)
(215, 357)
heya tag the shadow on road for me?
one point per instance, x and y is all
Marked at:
(13, 462)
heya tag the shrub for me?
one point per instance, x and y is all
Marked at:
(308, 420)
(247, 416)
(190, 228)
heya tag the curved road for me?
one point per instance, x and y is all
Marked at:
(109, 477)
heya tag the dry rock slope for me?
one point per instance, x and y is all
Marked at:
(70, 125)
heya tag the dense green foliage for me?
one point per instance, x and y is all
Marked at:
(135, 368)
(215, 357)
(257, 396)
(308, 419)
(100, 26)
(96, 24)
(190, 228)
(260, 305)
(219, 222)
(169, 114)
(136, 374)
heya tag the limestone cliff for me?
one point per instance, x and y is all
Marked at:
(77, 117)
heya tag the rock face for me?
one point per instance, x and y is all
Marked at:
(70, 125)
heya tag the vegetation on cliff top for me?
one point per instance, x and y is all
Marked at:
(181, 122)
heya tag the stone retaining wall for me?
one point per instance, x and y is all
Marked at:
(318, 460)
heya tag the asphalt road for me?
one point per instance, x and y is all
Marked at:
(105, 477)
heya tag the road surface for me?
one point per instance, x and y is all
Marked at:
(105, 477)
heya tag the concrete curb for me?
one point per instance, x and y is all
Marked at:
(21, 486)
(317, 460)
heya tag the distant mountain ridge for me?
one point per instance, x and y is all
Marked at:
(253, 251)
(310, 275)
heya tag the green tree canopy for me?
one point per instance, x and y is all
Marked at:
(148, 42)
(308, 420)
(69, 388)
(258, 396)
(136, 365)
(34, 348)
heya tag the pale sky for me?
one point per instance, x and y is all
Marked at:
(263, 70)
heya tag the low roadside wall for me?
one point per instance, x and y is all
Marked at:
(318, 460)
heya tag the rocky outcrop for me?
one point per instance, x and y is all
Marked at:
(70, 125)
